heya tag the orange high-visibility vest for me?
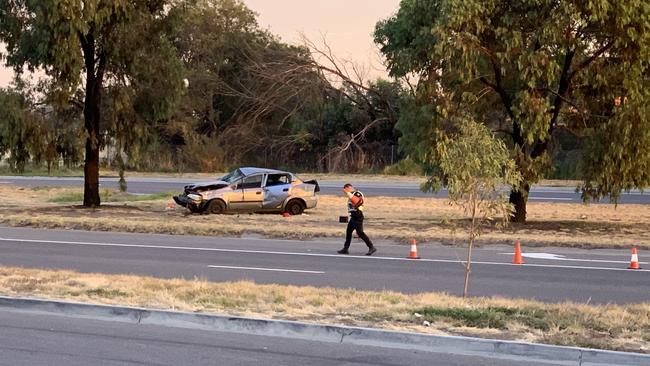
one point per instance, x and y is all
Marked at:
(355, 201)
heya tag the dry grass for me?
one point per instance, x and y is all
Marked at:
(398, 219)
(624, 328)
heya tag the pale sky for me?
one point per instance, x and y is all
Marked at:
(346, 24)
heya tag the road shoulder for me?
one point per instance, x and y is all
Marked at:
(336, 334)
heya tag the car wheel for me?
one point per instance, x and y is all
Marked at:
(295, 207)
(194, 209)
(215, 207)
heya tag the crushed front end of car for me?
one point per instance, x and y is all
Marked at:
(196, 196)
(190, 198)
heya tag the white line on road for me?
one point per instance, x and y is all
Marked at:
(559, 257)
(552, 198)
(222, 250)
(268, 269)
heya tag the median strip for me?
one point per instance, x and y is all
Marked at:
(614, 327)
(397, 219)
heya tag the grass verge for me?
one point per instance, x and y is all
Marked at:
(109, 195)
(622, 328)
(397, 219)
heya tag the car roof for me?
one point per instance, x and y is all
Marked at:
(252, 170)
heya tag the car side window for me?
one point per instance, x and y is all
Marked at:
(254, 181)
(277, 179)
(237, 185)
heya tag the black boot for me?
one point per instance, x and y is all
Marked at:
(371, 251)
(343, 251)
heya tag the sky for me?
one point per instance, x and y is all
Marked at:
(347, 25)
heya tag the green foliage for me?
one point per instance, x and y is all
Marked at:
(406, 38)
(19, 132)
(82, 47)
(250, 98)
(529, 68)
(406, 166)
(475, 167)
(617, 157)
(328, 122)
(237, 102)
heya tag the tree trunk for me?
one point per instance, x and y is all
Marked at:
(473, 233)
(91, 163)
(519, 199)
(94, 78)
(468, 267)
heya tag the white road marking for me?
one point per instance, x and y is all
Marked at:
(540, 255)
(268, 269)
(558, 257)
(5, 182)
(222, 250)
(552, 198)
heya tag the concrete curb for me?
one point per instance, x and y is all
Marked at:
(466, 346)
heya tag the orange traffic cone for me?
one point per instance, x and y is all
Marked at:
(634, 263)
(517, 258)
(170, 205)
(414, 250)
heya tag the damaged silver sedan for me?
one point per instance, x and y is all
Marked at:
(251, 190)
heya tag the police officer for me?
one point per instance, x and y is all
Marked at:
(355, 208)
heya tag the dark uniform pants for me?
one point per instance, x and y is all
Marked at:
(356, 223)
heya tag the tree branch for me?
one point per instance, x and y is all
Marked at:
(591, 59)
(563, 88)
(77, 103)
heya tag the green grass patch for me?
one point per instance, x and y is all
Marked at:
(102, 292)
(490, 317)
(151, 197)
(111, 196)
(77, 197)
(34, 171)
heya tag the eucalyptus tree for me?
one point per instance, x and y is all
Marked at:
(87, 45)
(527, 69)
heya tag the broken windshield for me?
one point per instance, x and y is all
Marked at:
(232, 176)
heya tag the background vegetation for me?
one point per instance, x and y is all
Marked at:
(202, 87)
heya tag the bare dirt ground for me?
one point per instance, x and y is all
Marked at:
(398, 219)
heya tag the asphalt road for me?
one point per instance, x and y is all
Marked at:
(28, 339)
(147, 185)
(552, 274)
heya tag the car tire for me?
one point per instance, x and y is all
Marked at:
(194, 210)
(295, 207)
(215, 207)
